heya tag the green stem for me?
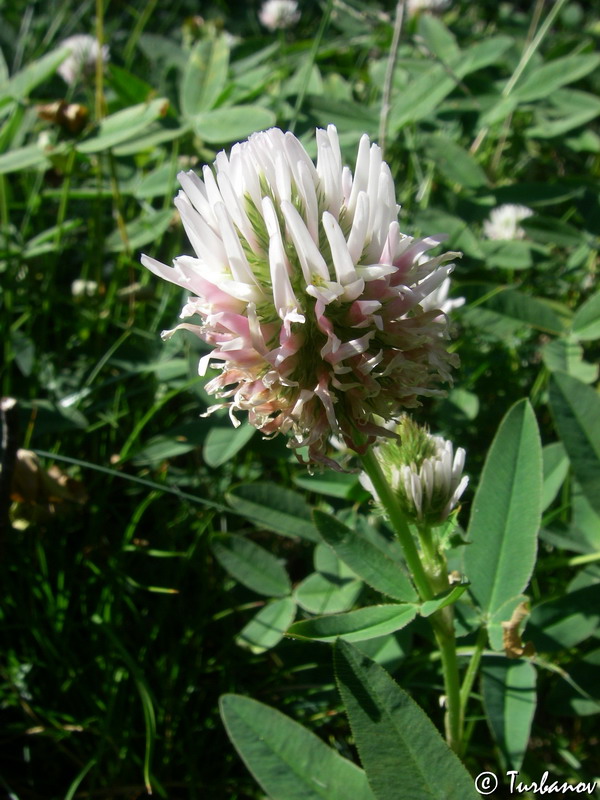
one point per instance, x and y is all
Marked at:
(532, 47)
(389, 74)
(427, 584)
(526, 57)
(443, 627)
(573, 561)
(137, 32)
(308, 65)
(471, 673)
(444, 633)
(389, 501)
(434, 562)
(100, 103)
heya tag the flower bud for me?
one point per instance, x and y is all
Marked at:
(424, 471)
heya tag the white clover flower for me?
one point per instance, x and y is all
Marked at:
(278, 15)
(44, 140)
(308, 292)
(415, 6)
(83, 288)
(82, 60)
(503, 222)
(423, 470)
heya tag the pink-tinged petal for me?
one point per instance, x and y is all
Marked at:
(290, 344)
(303, 397)
(401, 305)
(411, 251)
(237, 323)
(184, 273)
(206, 289)
(241, 291)
(349, 349)
(367, 365)
(425, 266)
(274, 376)
(361, 310)
(211, 409)
(243, 357)
(432, 282)
(183, 326)
(325, 325)
(238, 344)
(324, 395)
(255, 330)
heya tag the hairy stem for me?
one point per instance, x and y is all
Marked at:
(443, 626)
(429, 580)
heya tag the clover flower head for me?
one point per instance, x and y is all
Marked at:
(82, 60)
(308, 292)
(278, 15)
(503, 222)
(424, 471)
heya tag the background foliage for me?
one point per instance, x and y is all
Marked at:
(166, 574)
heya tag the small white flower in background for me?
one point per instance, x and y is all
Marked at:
(82, 60)
(308, 292)
(44, 140)
(503, 222)
(81, 288)
(415, 6)
(278, 15)
(423, 470)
